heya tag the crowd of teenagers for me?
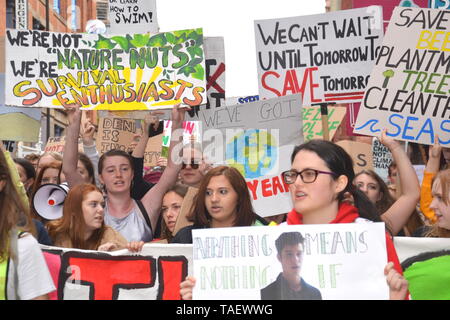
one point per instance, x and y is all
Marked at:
(113, 203)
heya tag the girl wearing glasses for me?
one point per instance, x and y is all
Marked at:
(320, 178)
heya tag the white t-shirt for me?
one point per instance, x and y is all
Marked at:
(33, 275)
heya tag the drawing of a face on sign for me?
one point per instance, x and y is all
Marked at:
(105, 72)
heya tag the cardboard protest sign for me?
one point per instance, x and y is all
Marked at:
(382, 158)
(214, 49)
(136, 16)
(57, 144)
(186, 205)
(105, 72)
(119, 133)
(360, 152)
(157, 272)
(257, 139)
(425, 263)
(408, 90)
(215, 70)
(326, 57)
(338, 261)
(312, 121)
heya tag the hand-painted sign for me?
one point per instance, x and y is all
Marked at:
(256, 138)
(360, 152)
(312, 121)
(382, 158)
(105, 72)
(119, 133)
(136, 16)
(408, 90)
(333, 261)
(157, 273)
(326, 58)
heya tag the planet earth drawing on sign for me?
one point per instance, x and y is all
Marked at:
(253, 152)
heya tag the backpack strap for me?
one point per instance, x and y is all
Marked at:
(157, 232)
(144, 213)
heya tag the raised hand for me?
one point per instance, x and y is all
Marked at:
(390, 143)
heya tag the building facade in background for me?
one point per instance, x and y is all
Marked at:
(56, 15)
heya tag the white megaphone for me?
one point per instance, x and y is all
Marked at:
(49, 199)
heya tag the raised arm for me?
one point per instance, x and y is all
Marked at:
(89, 147)
(70, 156)
(400, 211)
(432, 167)
(153, 198)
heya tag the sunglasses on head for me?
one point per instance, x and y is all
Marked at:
(193, 164)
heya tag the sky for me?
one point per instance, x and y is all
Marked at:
(233, 20)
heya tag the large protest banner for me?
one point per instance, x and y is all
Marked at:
(425, 263)
(326, 58)
(120, 133)
(137, 16)
(156, 272)
(341, 261)
(105, 72)
(256, 138)
(408, 90)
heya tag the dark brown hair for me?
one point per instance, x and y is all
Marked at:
(245, 215)
(180, 190)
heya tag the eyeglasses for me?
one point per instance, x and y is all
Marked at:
(193, 164)
(307, 175)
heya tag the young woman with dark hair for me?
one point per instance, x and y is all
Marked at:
(319, 180)
(223, 200)
(27, 173)
(170, 209)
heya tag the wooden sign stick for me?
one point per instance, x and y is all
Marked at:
(324, 117)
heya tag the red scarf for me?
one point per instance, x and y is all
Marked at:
(346, 214)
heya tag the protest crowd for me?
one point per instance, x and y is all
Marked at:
(101, 199)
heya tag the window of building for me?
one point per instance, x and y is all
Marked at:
(10, 14)
(57, 6)
(59, 131)
(37, 25)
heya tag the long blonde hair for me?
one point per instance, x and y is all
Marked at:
(443, 177)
